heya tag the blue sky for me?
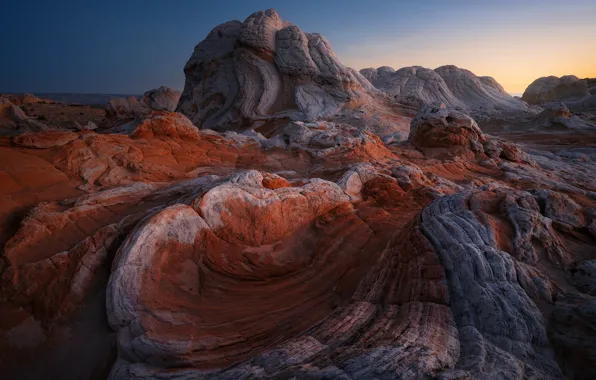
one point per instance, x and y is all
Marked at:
(129, 46)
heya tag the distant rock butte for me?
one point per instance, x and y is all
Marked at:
(292, 221)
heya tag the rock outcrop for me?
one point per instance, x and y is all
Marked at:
(294, 245)
(265, 69)
(438, 128)
(555, 89)
(13, 120)
(557, 117)
(578, 95)
(22, 99)
(482, 97)
(159, 99)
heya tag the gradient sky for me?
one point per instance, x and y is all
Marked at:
(130, 46)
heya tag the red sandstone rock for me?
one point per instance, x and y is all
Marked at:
(316, 252)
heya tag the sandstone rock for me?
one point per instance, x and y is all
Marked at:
(162, 99)
(265, 69)
(46, 139)
(572, 327)
(554, 89)
(353, 180)
(13, 120)
(124, 108)
(159, 99)
(436, 126)
(325, 139)
(245, 198)
(416, 81)
(482, 97)
(166, 125)
(296, 244)
(556, 117)
(475, 266)
(90, 126)
(583, 276)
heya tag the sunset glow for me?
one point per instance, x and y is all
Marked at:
(127, 52)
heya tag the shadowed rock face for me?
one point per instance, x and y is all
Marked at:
(13, 120)
(263, 69)
(159, 99)
(312, 250)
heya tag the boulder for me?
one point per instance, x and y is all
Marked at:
(451, 131)
(166, 125)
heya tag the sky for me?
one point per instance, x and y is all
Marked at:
(130, 46)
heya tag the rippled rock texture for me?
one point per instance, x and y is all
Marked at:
(482, 97)
(265, 69)
(318, 246)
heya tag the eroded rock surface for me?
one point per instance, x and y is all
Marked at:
(13, 120)
(482, 97)
(437, 127)
(555, 89)
(159, 99)
(265, 69)
(292, 222)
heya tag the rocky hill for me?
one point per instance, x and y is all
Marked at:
(296, 219)
(482, 97)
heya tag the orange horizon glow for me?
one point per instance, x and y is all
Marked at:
(515, 57)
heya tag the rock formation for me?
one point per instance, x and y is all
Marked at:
(554, 89)
(579, 95)
(159, 99)
(292, 242)
(265, 69)
(13, 120)
(21, 99)
(481, 97)
(437, 127)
